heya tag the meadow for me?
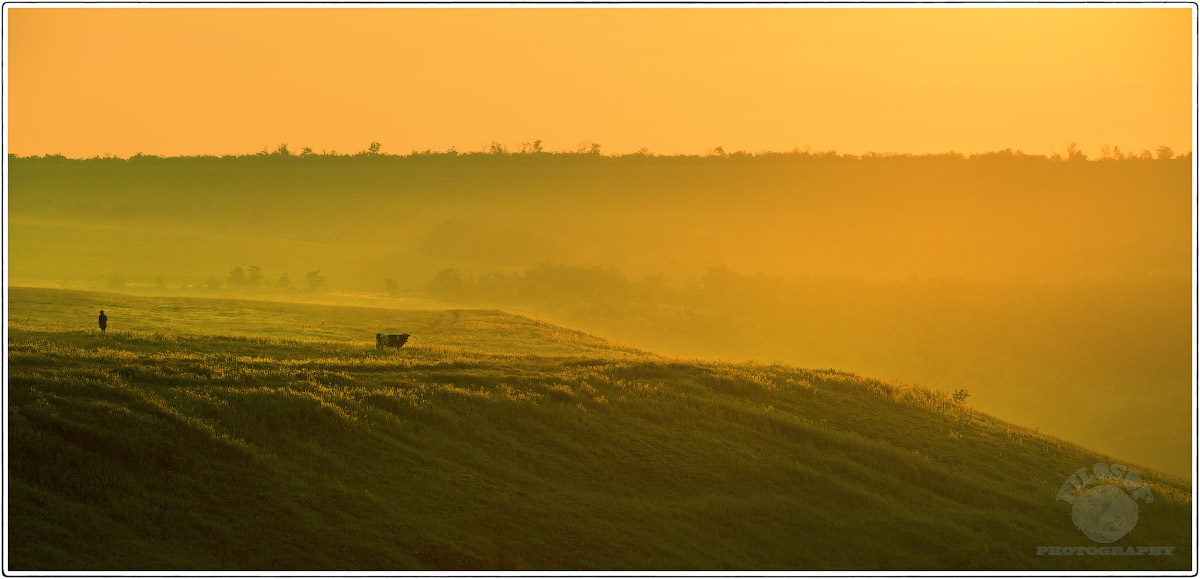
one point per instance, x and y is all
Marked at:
(224, 434)
(1037, 283)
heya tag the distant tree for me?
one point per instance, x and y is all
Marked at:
(212, 283)
(284, 282)
(595, 149)
(1074, 154)
(1164, 152)
(497, 149)
(237, 278)
(960, 395)
(374, 148)
(391, 286)
(546, 281)
(306, 152)
(528, 148)
(315, 280)
(254, 277)
(283, 151)
(448, 283)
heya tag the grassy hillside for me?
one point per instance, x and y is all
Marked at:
(225, 434)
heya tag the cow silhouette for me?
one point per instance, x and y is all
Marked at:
(390, 341)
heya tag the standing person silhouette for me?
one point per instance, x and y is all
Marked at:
(103, 321)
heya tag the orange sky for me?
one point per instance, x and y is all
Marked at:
(87, 81)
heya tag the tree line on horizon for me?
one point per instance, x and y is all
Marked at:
(586, 151)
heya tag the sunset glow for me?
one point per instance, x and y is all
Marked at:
(173, 81)
(600, 288)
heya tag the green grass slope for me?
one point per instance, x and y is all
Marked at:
(237, 435)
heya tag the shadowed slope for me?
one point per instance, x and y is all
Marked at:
(508, 444)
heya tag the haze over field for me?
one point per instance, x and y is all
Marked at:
(1033, 283)
(698, 183)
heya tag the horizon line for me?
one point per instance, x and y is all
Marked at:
(588, 149)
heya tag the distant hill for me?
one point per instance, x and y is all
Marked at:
(204, 434)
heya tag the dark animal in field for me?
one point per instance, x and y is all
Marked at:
(390, 340)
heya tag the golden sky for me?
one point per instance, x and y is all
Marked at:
(88, 81)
